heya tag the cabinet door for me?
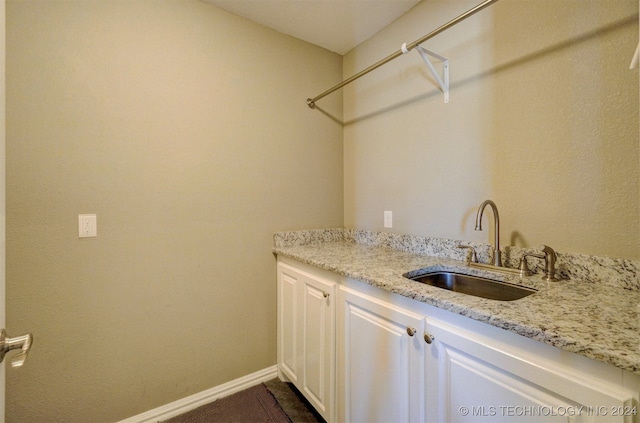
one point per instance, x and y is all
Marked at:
(470, 379)
(380, 363)
(306, 335)
(318, 342)
(287, 325)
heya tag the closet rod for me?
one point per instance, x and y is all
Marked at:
(311, 102)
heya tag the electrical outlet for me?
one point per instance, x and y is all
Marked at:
(87, 226)
(388, 219)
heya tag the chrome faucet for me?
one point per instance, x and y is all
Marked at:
(497, 255)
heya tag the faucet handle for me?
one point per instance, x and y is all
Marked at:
(472, 257)
(524, 267)
(549, 256)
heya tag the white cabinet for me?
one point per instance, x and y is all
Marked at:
(306, 334)
(381, 363)
(474, 378)
(469, 372)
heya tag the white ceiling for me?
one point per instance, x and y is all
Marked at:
(337, 25)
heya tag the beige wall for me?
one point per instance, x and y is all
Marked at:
(543, 119)
(185, 129)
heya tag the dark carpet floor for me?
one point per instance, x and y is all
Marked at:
(293, 402)
(249, 406)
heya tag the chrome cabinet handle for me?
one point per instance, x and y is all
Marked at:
(429, 338)
(23, 343)
(325, 294)
(411, 331)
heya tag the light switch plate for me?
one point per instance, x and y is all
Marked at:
(87, 226)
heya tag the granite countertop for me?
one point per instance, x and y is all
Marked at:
(595, 320)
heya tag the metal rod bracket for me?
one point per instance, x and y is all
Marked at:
(444, 81)
(312, 101)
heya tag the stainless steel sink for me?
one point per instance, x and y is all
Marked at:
(474, 285)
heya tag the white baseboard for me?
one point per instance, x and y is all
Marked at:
(194, 401)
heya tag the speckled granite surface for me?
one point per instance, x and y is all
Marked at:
(595, 317)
